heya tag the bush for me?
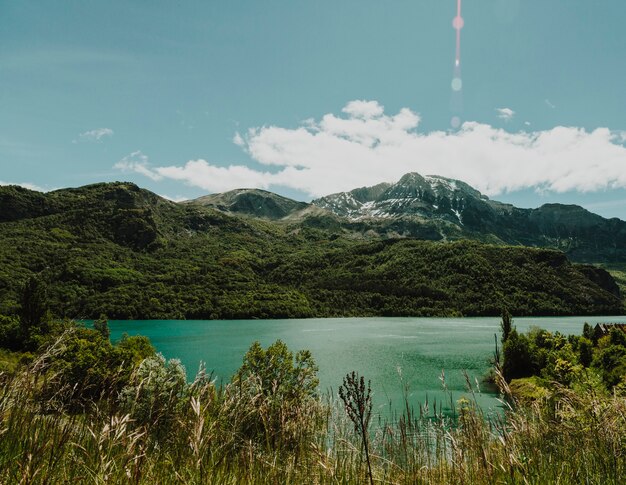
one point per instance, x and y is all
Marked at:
(88, 368)
(156, 394)
(278, 394)
(517, 357)
(10, 333)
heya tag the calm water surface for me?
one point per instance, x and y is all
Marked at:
(392, 352)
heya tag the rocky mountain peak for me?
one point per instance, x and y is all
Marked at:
(412, 195)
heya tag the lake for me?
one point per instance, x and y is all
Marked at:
(392, 352)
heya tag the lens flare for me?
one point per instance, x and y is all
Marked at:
(456, 101)
(458, 24)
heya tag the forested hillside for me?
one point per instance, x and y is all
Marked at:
(128, 253)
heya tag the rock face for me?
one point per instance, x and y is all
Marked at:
(412, 195)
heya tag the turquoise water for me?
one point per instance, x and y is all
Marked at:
(392, 352)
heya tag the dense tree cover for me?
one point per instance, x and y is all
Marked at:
(81, 363)
(618, 272)
(118, 250)
(574, 360)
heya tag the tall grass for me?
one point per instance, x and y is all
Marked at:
(571, 438)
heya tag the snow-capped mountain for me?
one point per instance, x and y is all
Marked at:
(436, 208)
(413, 195)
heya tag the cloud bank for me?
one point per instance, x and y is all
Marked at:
(365, 146)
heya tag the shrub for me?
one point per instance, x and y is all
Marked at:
(156, 394)
(10, 333)
(517, 356)
(88, 368)
(276, 395)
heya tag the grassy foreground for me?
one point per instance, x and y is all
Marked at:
(267, 426)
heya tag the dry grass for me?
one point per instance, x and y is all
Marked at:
(573, 438)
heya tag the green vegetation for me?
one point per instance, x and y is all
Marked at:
(79, 409)
(75, 408)
(535, 362)
(618, 271)
(137, 420)
(118, 250)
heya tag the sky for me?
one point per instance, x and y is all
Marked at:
(307, 98)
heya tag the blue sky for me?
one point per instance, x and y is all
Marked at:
(191, 97)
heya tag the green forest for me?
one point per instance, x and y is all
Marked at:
(125, 252)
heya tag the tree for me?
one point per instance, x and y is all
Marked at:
(33, 309)
(90, 368)
(278, 392)
(10, 333)
(281, 376)
(585, 351)
(518, 360)
(155, 396)
(506, 324)
(102, 325)
(617, 337)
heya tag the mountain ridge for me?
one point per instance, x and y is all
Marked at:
(439, 208)
(423, 207)
(117, 249)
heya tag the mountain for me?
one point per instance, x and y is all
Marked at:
(437, 209)
(454, 210)
(413, 195)
(252, 202)
(124, 251)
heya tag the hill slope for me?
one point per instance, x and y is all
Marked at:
(124, 251)
(252, 202)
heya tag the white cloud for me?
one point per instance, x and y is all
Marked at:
(549, 103)
(26, 185)
(366, 147)
(238, 140)
(200, 173)
(197, 173)
(137, 162)
(363, 109)
(177, 198)
(95, 135)
(505, 114)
